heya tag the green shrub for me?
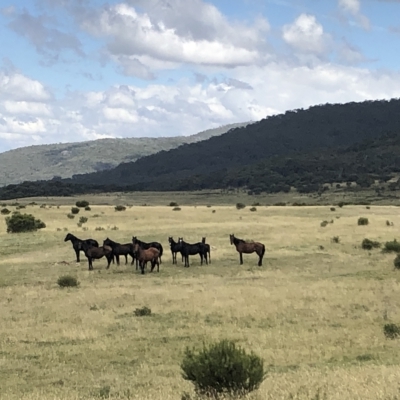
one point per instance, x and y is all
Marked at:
(71, 216)
(23, 223)
(67, 281)
(20, 207)
(393, 246)
(83, 220)
(5, 211)
(173, 204)
(336, 239)
(141, 312)
(79, 224)
(99, 228)
(324, 223)
(396, 262)
(114, 228)
(368, 244)
(223, 368)
(253, 209)
(120, 208)
(388, 223)
(367, 207)
(333, 209)
(43, 206)
(280, 204)
(176, 209)
(74, 210)
(391, 331)
(82, 203)
(341, 204)
(240, 206)
(362, 221)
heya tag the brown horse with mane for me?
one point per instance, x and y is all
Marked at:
(248, 248)
(144, 255)
(95, 253)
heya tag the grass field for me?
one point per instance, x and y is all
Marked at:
(314, 311)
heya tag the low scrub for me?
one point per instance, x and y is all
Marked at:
(71, 216)
(253, 209)
(5, 211)
(391, 331)
(67, 281)
(87, 208)
(74, 210)
(223, 369)
(396, 262)
(240, 206)
(362, 221)
(120, 208)
(368, 244)
(333, 209)
(23, 223)
(336, 239)
(82, 203)
(83, 220)
(173, 204)
(392, 247)
(141, 312)
(176, 209)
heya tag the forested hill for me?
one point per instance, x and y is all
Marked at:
(298, 131)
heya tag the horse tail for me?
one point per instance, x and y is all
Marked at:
(263, 251)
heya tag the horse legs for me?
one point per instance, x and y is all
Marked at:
(173, 257)
(126, 258)
(117, 257)
(77, 255)
(90, 263)
(241, 258)
(260, 260)
(142, 265)
(187, 261)
(109, 258)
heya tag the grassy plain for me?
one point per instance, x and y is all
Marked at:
(314, 311)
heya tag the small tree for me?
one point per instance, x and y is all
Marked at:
(82, 203)
(23, 223)
(239, 206)
(368, 244)
(74, 210)
(362, 221)
(83, 220)
(223, 368)
(120, 208)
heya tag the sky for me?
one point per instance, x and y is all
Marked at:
(76, 70)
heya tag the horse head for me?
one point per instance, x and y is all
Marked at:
(232, 237)
(68, 237)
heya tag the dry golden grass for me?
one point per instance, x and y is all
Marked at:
(315, 314)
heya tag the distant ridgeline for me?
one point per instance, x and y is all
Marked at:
(353, 142)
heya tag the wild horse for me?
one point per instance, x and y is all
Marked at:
(208, 248)
(146, 246)
(247, 248)
(192, 249)
(119, 249)
(77, 244)
(144, 255)
(176, 247)
(95, 253)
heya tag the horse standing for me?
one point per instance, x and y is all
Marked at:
(208, 248)
(192, 249)
(95, 253)
(77, 244)
(146, 246)
(144, 255)
(120, 250)
(247, 248)
(176, 247)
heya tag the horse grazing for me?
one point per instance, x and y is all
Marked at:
(208, 248)
(77, 244)
(95, 253)
(247, 248)
(144, 255)
(146, 246)
(192, 249)
(121, 250)
(176, 247)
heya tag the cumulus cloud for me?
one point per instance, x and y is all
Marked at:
(353, 7)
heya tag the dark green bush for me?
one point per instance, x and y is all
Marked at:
(82, 203)
(393, 246)
(324, 223)
(396, 262)
(341, 204)
(336, 239)
(223, 368)
(87, 208)
(333, 209)
(71, 216)
(253, 209)
(23, 223)
(173, 204)
(20, 207)
(120, 208)
(67, 281)
(5, 211)
(362, 221)
(74, 210)
(141, 312)
(391, 331)
(368, 244)
(176, 209)
(240, 206)
(82, 220)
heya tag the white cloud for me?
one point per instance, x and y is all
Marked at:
(306, 34)
(353, 7)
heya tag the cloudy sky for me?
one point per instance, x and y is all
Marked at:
(74, 70)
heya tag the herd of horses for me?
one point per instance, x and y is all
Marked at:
(143, 252)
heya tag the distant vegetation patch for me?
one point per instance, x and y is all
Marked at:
(82, 203)
(392, 247)
(368, 244)
(362, 221)
(23, 223)
(120, 208)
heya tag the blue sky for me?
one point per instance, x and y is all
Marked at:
(75, 70)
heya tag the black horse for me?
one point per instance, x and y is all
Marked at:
(77, 244)
(145, 246)
(95, 253)
(208, 248)
(192, 249)
(176, 247)
(119, 249)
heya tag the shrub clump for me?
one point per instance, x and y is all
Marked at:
(141, 312)
(5, 211)
(120, 208)
(223, 369)
(253, 209)
(71, 216)
(87, 208)
(336, 239)
(333, 209)
(74, 210)
(368, 244)
(67, 281)
(324, 223)
(240, 206)
(173, 204)
(393, 246)
(176, 209)
(23, 223)
(82, 220)
(82, 203)
(362, 221)
(391, 331)
(396, 262)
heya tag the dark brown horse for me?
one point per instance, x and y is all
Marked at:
(247, 248)
(95, 253)
(208, 248)
(145, 245)
(175, 248)
(144, 255)
(120, 250)
(77, 244)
